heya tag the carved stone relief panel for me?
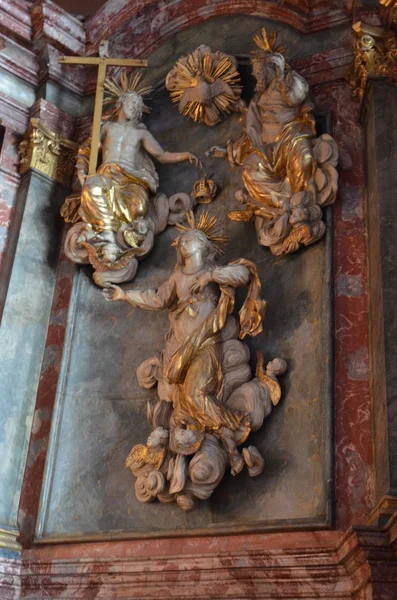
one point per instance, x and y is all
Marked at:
(101, 408)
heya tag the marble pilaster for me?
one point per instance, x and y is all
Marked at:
(380, 121)
(23, 329)
(30, 225)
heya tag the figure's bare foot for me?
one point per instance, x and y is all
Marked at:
(236, 462)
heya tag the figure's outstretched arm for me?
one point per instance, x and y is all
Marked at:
(154, 299)
(152, 146)
(233, 275)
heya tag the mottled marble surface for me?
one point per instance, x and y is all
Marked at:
(23, 330)
(147, 24)
(354, 469)
(232, 35)
(10, 574)
(273, 566)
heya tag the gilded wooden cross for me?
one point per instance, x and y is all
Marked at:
(102, 64)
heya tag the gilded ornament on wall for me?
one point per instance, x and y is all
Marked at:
(204, 190)
(205, 84)
(208, 401)
(47, 152)
(375, 53)
(288, 173)
(119, 210)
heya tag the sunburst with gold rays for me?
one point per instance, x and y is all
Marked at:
(115, 88)
(205, 84)
(267, 44)
(206, 223)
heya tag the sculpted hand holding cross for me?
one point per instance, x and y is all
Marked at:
(208, 402)
(116, 219)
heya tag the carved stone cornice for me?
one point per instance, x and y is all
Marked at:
(18, 60)
(58, 27)
(10, 577)
(73, 79)
(14, 115)
(15, 19)
(54, 118)
(360, 564)
(47, 152)
(375, 53)
(32, 37)
(368, 554)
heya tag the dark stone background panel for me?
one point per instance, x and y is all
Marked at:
(100, 412)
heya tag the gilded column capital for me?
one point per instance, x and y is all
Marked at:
(47, 152)
(375, 52)
(8, 540)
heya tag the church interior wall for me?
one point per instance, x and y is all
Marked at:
(351, 553)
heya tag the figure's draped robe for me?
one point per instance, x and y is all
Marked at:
(191, 363)
(274, 170)
(125, 191)
(124, 198)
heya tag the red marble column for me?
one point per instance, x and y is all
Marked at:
(353, 443)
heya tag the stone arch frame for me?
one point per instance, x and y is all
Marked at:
(151, 23)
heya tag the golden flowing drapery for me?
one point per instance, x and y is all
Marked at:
(124, 198)
(271, 171)
(195, 368)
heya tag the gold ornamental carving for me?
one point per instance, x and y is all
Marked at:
(204, 190)
(375, 52)
(47, 152)
(205, 84)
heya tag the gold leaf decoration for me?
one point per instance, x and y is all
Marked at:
(205, 84)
